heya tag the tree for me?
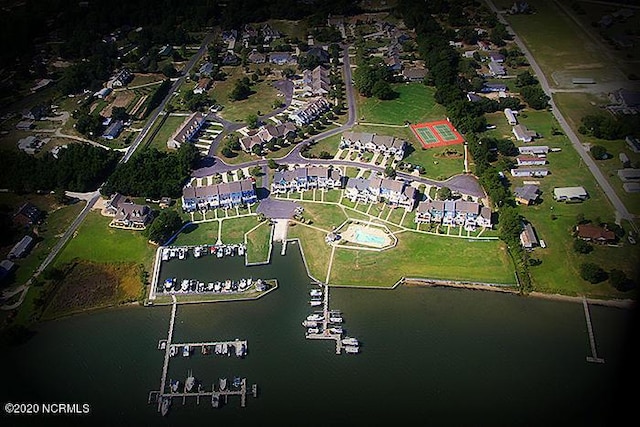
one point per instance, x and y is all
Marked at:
(599, 152)
(525, 78)
(272, 164)
(620, 281)
(389, 172)
(168, 70)
(227, 152)
(252, 121)
(325, 155)
(241, 90)
(257, 150)
(255, 171)
(582, 247)
(382, 90)
(592, 273)
(119, 113)
(164, 226)
(535, 97)
(510, 225)
(444, 193)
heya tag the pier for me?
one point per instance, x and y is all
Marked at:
(237, 347)
(325, 334)
(592, 340)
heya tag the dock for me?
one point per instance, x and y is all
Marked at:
(236, 347)
(326, 334)
(592, 340)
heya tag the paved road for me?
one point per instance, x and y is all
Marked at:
(584, 155)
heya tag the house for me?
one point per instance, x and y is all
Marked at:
(570, 194)
(536, 150)
(21, 249)
(511, 117)
(256, 57)
(633, 143)
(229, 35)
(165, 202)
(286, 130)
(496, 57)
(527, 194)
(529, 172)
(595, 234)
(496, 70)
(626, 98)
(113, 130)
(230, 58)
(281, 58)
(6, 267)
(120, 78)
(27, 215)
(36, 112)
(525, 160)
(269, 33)
(320, 54)
(102, 93)
(473, 97)
(40, 84)
(187, 130)
(624, 159)
(484, 45)
(631, 187)
(202, 86)
(31, 144)
(316, 81)
(126, 214)
(206, 69)
(528, 238)
(393, 63)
(224, 195)
(494, 87)
(309, 111)
(414, 74)
(393, 192)
(363, 141)
(454, 213)
(305, 178)
(523, 134)
(629, 174)
(469, 53)
(165, 50)
(25, 125)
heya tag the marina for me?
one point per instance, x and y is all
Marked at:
(193, 286)
(327, 324)
(165, 395)
(197, 251)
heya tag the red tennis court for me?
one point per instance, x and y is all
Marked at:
(436, 134)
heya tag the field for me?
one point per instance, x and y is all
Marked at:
(258, 243)
(261, 100)
(198, 234)
(414, 103)
(168, 127)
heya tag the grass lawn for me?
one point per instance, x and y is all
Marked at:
(261, 100)
(418, 255)
(198, 234)
(316, 251)
(234, 229)
(414, 103)
(258, 243)
(330, 145)
(168, 127)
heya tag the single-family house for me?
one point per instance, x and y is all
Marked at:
(535, 150)
(165, 50)
(626, 98)
(527, 195)
(269, 33)
(27, 215)
(570, 194)
(6, 267)
(25, 125)
(187, 130)
(36, 112)
(21, 248)
(31, 144)
(113, 130)
(281, 58)
(414, 74)
(496, 70)
(120, 78)
(530, 172)
(126, 214)
(230, 58)
(494, 87)
(473, 97)
(102, 93)
(633, 143)
(595, 234)
(256, 57)
(206, 69)
(202, 86)
(496, 57)
(526, 160)
(629, 174)
(394, 63)
(528, 238)
(511, 116)
(523, 134)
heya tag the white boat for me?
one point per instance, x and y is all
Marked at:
(220, 252)
(174, 385)
(168, 284)
(315, 317)
(351, 349)
(189, 382)
(313, 331)
(225, 348)
(350, 341)
(182, 254)
(309, 324)
(315, 293)
(186, 351)
(335, 319)
(165, 254)
(218, 348)
(336, 330)
(173, 351)
(210, 286)
(315, 303)
(164, 408)
(184, 286)
(196, 251)
(217, 287)
(223, 383)
(215, 400)
(240, 349)
(243, 284)
(241, 250)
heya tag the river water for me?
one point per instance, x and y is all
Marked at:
(428, 356)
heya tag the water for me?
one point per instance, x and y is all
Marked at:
(362, 237)
(428, 355)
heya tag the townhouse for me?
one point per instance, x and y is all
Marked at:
(363, 141)
(393, 192)
(286, 130)
(306, 178)
(454, 213)
(223, 195)
(309, 111)
(187, 130)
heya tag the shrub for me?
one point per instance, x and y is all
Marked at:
(592, 273)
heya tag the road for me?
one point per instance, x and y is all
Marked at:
(94, 198)
(608, 190)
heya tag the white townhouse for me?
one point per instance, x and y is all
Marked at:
(363, 141)
(455, 213)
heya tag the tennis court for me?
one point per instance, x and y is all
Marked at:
(436, 134)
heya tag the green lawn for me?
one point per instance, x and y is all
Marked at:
(234, 229)
(96, 241)
(258, 243)
(316, 251)
(262, 100)
(198, 234)
(414, 103)
(168, 127)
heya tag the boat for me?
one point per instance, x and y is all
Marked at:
(335, 319)
(223, 383)
(218, 348)
(186, 351)
(164, 407)
(241, 250)
(225, 348)
(174, 385)
(210, 286)
(243, 284)
(227, 284)
(181, 254)
(315, 293)
(349, 341)
(309, 324)
(184, 285)
(215, 400)
(313, 331)
(351, 349)
(315, 303)
(336, 330)
(165, 255)
(240, 349)
(196, 251)
(173, 351)
(189, 382)
(206, 349)
(217, 287)
(168, 284)
(315, 317)
(219, 252)
(237, 381)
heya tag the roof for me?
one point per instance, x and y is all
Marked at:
(359, 184)
(570, 192)
(542, 149)
(21, 247)
(29, 212)
(414, 73)
(528, 236)
(113, 130)
(527, 192)
(593, 232)
(629, 174)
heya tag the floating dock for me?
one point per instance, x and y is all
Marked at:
(326, 334)
(592, 340)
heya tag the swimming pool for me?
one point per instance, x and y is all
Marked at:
(366, 238)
